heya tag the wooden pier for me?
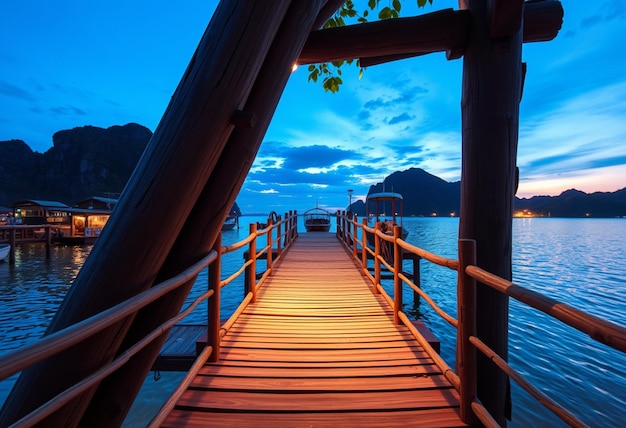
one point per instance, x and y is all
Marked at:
(318, 349)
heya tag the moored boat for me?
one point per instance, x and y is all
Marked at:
(317, 220)
(231, 221)
(5, 249)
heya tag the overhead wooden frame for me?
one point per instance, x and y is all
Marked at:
(442, 31)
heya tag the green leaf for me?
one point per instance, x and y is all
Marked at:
(397, 6)
(372, 4)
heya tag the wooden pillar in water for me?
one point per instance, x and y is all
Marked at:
(492, 81)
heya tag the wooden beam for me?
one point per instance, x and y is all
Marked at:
(432, 32)
(158, 199)
(114, 396)
(384, 41)
(327, 11)
(542, 20)
(506, 17)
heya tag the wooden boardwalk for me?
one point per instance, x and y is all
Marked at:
(318, 349)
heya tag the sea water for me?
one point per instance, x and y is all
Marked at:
(580, 262)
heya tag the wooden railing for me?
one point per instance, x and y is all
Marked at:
(20, 234)
(354, 237)
(279, 236)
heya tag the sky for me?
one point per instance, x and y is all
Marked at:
(71, 63)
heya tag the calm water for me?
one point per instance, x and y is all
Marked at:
(581, 262)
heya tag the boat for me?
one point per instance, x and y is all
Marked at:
(5, 249)
(231, 221)
(386, 208)
(317, 220)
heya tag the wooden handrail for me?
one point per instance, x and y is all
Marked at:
(52, 344)
(599, 329)
(550, 404)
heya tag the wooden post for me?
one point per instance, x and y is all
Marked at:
(48, 241)
(354, 239)
(363, 244)
(279, 249)
(295, 223)
(13, 242)
(397, 268)
(288, 228)
(492, 81)
(252, 252)
(376, 260)
(417, 278)
(269, 234)
(466, 310)
(213, 320)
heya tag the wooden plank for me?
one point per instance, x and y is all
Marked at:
(321, 384)
(428, 418)
(312, 353)
(318, 402)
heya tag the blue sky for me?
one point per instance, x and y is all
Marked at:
(73, 63)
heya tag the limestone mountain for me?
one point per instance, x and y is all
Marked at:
(84, 161)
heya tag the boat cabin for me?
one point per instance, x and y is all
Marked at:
(385, 207)
(317, 220)
(39, 212)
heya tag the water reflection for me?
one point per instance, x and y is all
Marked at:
(580, 262)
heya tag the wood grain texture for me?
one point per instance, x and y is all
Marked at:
(318, 349)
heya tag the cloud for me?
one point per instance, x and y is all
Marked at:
(404, 117)
(13, 91)
(609, 11)
(68, 110)
(584, 133)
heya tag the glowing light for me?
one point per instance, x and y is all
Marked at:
(294, 67)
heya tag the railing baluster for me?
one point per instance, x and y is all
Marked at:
(252, 251)
(363, 244)
(270, 230)
(354, 240)
(397, 268)
(376, 259)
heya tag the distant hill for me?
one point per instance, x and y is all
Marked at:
(574, 203)
(83, 162)
(425, 194)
